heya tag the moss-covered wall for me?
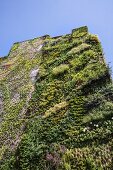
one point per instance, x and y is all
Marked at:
(16, 88)
(56, 99)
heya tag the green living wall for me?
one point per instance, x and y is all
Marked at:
(68, 121)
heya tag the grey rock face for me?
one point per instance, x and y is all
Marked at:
(16, 98)
(33, 75)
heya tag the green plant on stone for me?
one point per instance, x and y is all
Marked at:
(61, 69)
(79, 49)
(15, 46)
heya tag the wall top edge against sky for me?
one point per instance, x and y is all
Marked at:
(53, 37)
(26, 19)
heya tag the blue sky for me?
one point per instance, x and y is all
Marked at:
(25, 19)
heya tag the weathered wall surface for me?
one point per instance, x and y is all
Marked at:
(18, 74)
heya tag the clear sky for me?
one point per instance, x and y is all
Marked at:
(26, 19)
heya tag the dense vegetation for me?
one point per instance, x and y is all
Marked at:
(68, 121)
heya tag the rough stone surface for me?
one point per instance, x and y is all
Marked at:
(34, 74)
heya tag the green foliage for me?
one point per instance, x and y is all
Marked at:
(15, 47)
(80, 62)
(79, 49)
(63, 120)
(93, 39)
(61, 69)
(56, 108)
(78, 33)
(89, 73)
(81, 29)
